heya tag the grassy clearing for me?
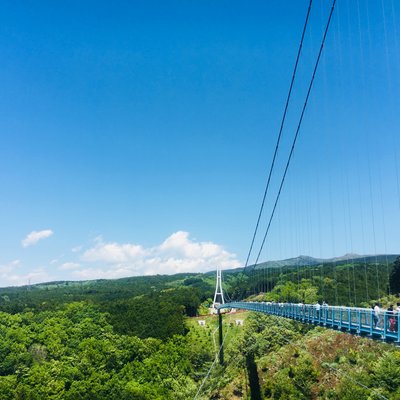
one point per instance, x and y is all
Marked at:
(207, 335)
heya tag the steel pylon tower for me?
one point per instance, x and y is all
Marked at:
(218, 289)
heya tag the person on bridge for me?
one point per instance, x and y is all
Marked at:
(391, 317)
(317, 309)
(396, 318)
(375, 315)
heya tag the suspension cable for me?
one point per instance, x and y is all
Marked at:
(280, 134)
(297, 131)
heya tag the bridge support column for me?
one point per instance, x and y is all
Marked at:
(221, 339)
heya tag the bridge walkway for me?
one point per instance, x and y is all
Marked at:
(354, 320)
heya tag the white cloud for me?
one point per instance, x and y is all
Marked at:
(178, 253)
(76, 249)
(180, 244)
(8, 268)
(69, 266)
(113, 252)
(9, 275)
(33, 237)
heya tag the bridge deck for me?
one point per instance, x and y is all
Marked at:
(350, 319)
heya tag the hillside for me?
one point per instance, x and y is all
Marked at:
(139, 339)
(303, 261)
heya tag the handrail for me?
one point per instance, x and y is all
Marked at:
(353, 320)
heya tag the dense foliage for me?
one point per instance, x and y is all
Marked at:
(73, 353)
(290, 361)
(159, 314)
(48, 296)
(133, 339)
(155, 306)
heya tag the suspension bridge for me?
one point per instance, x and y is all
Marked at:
(371, 280)
(374, 323)
(354, 320)
(378, 324)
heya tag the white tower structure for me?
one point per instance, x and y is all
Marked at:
(218, 290)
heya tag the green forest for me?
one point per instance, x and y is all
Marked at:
(139, 338)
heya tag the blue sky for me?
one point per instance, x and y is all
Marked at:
(136, 136)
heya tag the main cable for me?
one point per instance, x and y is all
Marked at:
(297, 130)
(280, 134)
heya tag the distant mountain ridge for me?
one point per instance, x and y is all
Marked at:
(304, 261)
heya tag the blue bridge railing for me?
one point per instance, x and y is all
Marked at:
(350, 319)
